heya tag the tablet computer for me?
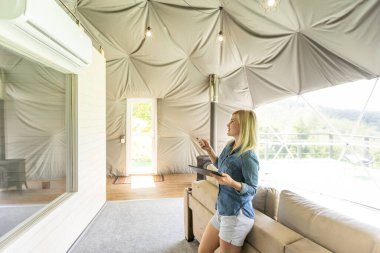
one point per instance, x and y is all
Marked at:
(204, 171)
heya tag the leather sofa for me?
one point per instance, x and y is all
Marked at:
(284, 223)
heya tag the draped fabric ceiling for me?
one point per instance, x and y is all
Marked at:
(302, 46)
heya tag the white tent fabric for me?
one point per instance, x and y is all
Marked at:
(302, 46)
(33, 116)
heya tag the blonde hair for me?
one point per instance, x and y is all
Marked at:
(248, 130)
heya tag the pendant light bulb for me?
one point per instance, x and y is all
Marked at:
(271, 3)
(220, 36)
(148, 32)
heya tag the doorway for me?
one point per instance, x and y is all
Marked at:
(141, 136)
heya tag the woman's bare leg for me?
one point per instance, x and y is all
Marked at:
(210, 240)
(226, 247)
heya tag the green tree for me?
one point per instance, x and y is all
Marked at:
(143, 112)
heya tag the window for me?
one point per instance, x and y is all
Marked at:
(36, 162)
(325, 143)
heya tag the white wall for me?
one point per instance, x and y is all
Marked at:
(2, 151)
(58, 230)
(1, 87)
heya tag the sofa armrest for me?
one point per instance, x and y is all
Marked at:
(206, 193)
(188, 222)
(201, 216)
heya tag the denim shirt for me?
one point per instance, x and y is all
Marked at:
(242, 168)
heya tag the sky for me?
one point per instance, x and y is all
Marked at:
(352, 95)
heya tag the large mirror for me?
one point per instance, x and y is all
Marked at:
(35, 103)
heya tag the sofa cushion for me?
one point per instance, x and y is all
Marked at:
(206, 193)
(330, 229)
(266, 201)
(260, 199)
(305, 246)
(269, 236)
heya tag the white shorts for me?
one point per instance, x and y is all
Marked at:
(232, 229)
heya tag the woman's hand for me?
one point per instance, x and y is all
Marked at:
(227, 180)
(204, 144)
(224, 180)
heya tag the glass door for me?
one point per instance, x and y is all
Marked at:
(141, 136)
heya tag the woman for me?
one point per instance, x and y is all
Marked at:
(239, 166)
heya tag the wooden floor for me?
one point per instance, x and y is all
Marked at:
(172, 187)
(38, 192)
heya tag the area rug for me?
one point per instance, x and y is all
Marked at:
(137, 226)
(128, 179)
